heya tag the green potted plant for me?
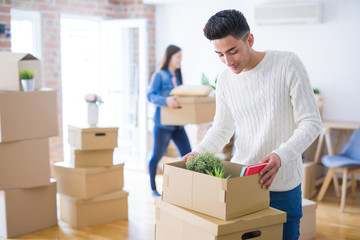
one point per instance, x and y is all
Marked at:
(207, 163)
(27, 80)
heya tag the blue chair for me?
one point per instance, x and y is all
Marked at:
(347, 162)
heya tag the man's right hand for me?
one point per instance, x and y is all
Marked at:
(188, 156)
(171, 102)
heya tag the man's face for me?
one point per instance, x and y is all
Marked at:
(233, 52)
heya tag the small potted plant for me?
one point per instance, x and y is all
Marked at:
(27, 80)
(207, 163)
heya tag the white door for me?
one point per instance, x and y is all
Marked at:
(107, 58)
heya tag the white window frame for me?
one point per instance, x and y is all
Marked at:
(35, 18)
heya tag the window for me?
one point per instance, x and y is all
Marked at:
(26, 32)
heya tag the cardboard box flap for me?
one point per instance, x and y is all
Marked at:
(65, 166)
(15, 57)
(102, 198)
(183, 187)
(195, 99)
(215, 226)
(99, 129)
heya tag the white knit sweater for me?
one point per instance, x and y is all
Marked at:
(274, 110)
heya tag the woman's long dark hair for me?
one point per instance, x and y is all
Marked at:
(170, 51)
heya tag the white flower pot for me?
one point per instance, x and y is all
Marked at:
(27, 85)
(93, 114)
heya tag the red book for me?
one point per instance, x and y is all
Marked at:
(254, 169)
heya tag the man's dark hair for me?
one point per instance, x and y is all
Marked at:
(225, 23)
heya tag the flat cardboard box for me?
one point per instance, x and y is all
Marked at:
(194, 110)
(308, 221)
(24, 164)
(87, 183)
(11, 63)
(83, 213)
(177, 223)
(91, 158)
(28, 115)
(217, 197)
(27, 210)
(93, 138)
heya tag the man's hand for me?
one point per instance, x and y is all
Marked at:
(188, 156)
(171, 102)
(269, 172)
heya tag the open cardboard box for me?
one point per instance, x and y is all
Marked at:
(28, 115)
(80, 213)
(217, 197)
(87, 183)
(91, 158)
(194, 110)
(93, 138)
(27, 210)
(24, 164)
(177, 223)
(11, 63)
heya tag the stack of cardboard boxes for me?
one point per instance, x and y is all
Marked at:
(199, 206)
(27, 120)
(90, 186)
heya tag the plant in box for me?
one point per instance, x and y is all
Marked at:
(207, 163)
(27, 80)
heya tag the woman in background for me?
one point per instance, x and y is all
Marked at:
(162, 82)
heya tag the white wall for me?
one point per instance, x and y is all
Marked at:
(330, 50)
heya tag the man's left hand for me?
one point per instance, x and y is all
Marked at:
(269, 172)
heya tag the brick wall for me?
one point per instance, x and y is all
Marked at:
(5, 19)
(50, 20)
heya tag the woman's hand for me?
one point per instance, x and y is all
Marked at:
(171, 102)
(188, 156)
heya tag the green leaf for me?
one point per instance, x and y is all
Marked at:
(26, 74)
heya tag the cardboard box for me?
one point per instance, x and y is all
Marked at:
(308, 183)
(308, 221)
(11, 63)
(93, 138)
(194, 110)
(91, 158)
(24, 164)
(87, 183)
(217, 197)
(28, 115)
(27, 210)
(83, 213)
(177, 223)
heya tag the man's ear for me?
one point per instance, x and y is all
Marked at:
(250, 40)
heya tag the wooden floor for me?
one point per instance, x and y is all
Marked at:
(331, 224)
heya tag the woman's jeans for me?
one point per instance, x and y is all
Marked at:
(162, 138)
(289, 202)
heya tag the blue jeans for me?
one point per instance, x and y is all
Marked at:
(162, 138)
(289, 202)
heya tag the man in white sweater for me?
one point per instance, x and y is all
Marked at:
(268, 96)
